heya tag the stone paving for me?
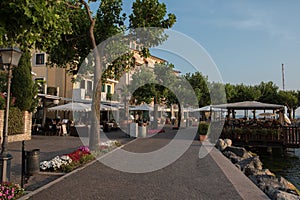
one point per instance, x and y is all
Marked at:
(49, 146)
(212, 177)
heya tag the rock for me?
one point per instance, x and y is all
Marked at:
(288, 186)
(228, 142)
(221, 145)
(233, 158)
(264, 172)
(281, 195)
(239, 151)
(251, 162)
(275, 188)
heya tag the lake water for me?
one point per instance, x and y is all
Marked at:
(283, 164)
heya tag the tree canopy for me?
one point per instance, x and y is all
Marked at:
(33, 24)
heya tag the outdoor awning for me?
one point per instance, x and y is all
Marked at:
(206, 109)
(104, 107)
(143, 107)
(73, 106)
(249, 105)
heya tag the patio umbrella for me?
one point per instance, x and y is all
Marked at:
(206, 109)
(104, 107)
(73, 106)
(143, 107)
(267, 114)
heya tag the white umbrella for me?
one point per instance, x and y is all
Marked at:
(144, 107)
(206, 109)
(286, 119)
(73, 106)
(189, 109)
(104, 107)
(267, 114)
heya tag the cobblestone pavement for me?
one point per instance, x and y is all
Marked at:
(187, 178)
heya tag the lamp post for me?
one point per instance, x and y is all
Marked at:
(10, 58)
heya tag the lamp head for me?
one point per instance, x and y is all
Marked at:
(10, 56)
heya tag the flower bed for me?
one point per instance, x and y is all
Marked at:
(82, 155)
(10, 191)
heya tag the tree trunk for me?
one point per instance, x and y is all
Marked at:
(94, 136)
(155, 113)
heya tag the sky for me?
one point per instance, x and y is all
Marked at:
(247, 40)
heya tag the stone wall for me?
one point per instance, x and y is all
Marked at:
(26, 131)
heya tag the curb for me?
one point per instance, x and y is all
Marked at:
(31, 193)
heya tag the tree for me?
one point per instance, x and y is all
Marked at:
(268, 92)
(245, 93)
(230, 92)
(30, 25)
(109, 15)
(199, 82)
(22, 84)
(33, 24)
(141, 86)
(290, 100)
(217, 93)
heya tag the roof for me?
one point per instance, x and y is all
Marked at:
(249, 105)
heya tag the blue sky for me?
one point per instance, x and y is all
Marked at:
(248, 40)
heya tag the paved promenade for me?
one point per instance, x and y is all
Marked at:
(50, 146)
(212, 177)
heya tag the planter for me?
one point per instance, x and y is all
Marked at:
(202, 137)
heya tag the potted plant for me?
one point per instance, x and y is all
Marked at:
(203, 130)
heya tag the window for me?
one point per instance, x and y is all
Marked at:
(82, 84)
(41, 83)
(103, 88)
(108, 89)
(40, 59)
(89, 88)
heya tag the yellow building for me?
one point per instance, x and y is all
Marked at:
(56, 83)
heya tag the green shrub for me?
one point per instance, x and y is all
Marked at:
(2, 103)
(86, 158)
(70, 167)
(203, 128)
(15, 121)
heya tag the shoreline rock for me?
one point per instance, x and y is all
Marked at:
(276, 188)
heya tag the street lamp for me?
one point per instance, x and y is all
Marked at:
(10, 58)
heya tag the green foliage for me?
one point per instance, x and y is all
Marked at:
(3, 81)
(2, 103)
(241, 92)
(203, 128)
(268, 92)
(150, 13)
(141, 87)
(86, 158)
(200, 84)
(217, 93)
(75, 45)
(290, 100)
(22, 86)
(108, 96)
(15, 121)
(33, 24)
(68, 168)
(110, 19)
